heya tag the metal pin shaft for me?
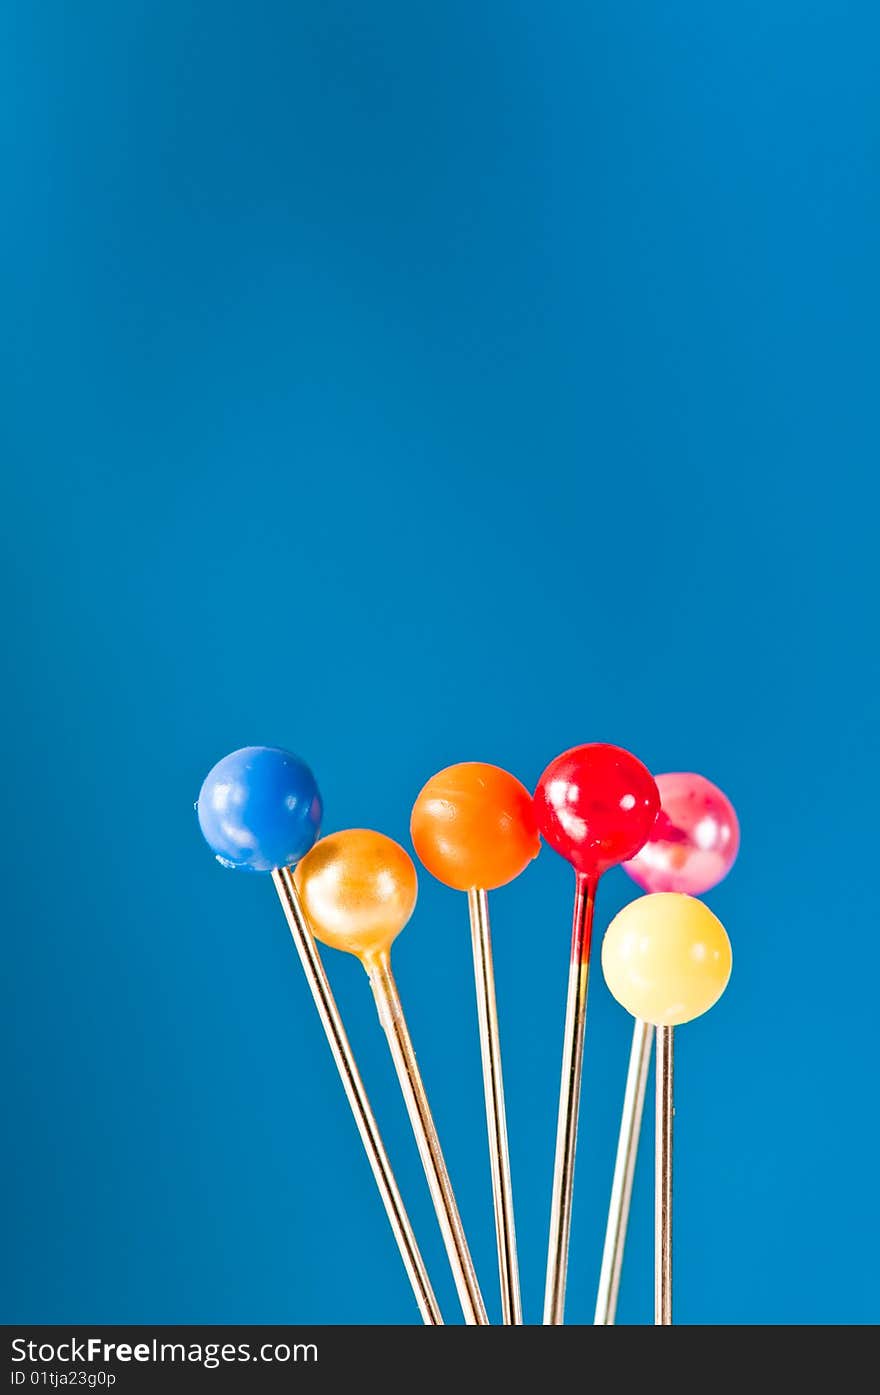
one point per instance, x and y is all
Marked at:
(663, 1181)
(624, 1170)
(569, 1102)
(496, 1117)
(357, 1095)
(394, 1025)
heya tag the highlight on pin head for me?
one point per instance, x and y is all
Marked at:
(473, 826)
(666, 958)
(695, 839)
(358, 889)
(259, 809)
(596, 805)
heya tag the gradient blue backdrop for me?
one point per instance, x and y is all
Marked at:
(407, 384)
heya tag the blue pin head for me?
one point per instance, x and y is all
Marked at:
(259, 808)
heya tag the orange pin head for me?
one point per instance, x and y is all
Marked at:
(358, 890)
(473, 825)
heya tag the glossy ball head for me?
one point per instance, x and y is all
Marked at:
(473, 825)
(358, 890)
(259, 808)
(596, 805)
(693, 843)
(666, 958)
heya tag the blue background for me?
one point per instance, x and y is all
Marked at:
(409, 384)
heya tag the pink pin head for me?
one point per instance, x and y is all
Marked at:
(694, 841)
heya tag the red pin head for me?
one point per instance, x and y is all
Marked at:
(596, 805)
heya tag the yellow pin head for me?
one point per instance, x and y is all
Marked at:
(666, 958)
(358, 889)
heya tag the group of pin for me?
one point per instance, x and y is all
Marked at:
(665, 956)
